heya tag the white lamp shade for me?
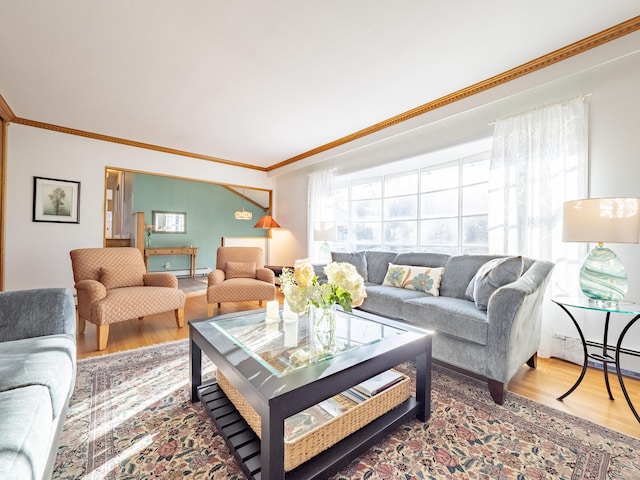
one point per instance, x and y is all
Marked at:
(325, 232)
(611, 220)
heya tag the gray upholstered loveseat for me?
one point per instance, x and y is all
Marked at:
(493, 337)
(37, 376)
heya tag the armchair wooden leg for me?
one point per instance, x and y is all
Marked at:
(180, 317)
(81, 324)
(210, 308)
(259, 303)
(140, 318)
(103, 336)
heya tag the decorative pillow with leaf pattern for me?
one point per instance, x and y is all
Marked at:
(424, 279)
(396, 275)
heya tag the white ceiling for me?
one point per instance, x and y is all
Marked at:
(257, 81)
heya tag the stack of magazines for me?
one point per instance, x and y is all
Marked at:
(367, 389)
(307, 420)
(311, 418)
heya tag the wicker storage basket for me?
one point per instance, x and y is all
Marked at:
(332, 431)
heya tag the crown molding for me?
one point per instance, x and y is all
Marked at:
(131, 143)
(6, 113)
(630, 26)
(581, 46)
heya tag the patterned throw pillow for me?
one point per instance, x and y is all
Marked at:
(240, 270)
(122, 276)
(424, 279)
(421, 279)
(396, 275)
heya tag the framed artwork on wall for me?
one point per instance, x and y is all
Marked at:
(56, 200)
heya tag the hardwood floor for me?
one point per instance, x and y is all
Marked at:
(550, 380)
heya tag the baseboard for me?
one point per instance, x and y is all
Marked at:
(185, 273)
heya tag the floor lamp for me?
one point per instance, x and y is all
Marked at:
(267, 222)
(613, 220)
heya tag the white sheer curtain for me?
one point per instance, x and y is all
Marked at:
(538, 161)
(321, 203)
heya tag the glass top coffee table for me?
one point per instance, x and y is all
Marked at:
(280, 371)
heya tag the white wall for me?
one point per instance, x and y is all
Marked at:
(614, 98)
(37, 254)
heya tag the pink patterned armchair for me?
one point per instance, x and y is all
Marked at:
(113, 286)
(239, 276)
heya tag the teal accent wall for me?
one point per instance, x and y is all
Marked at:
(210, 216)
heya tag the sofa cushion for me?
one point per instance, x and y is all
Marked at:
(240, 270)
(235, 290)
(46, 361)
(388, 301)
(377, 264)
(396, 275)
(25, 431)
(424, 279)
(122, 276)
(491, 276)
(357, 259)
(133, 302)
(451, 316)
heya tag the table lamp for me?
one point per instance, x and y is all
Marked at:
(616, 220)
(325, 232)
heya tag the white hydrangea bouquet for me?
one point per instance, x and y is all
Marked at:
(345, 286)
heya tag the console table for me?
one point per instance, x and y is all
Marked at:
(191, 251)
(623, 307)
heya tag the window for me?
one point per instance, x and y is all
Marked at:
(438, 207)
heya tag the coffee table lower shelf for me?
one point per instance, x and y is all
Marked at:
(245, 444)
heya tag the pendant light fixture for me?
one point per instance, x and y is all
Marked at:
(243, 214)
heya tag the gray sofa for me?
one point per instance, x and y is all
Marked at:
(37, 376)
(493, 342)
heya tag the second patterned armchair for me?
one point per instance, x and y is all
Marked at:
(239, 276)
(113, 285)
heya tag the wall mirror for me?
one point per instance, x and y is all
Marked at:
(169, 222)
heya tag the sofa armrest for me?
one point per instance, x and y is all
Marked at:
(160, 280)
(215, 277)
(89, 292)
(515, 315)
(36, 313)
(266, 275)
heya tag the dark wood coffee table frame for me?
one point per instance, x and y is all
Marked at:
(276, 398)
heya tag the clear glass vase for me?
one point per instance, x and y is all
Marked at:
(147, 241)
(324, 324)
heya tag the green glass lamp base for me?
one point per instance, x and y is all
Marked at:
(602, 276)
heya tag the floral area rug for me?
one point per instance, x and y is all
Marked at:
(131, 418)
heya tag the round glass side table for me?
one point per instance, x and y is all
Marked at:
(622, 307)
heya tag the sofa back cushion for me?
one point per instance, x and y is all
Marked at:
(421, 259)
(377, 265)
(458, 272)
(357, 259)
